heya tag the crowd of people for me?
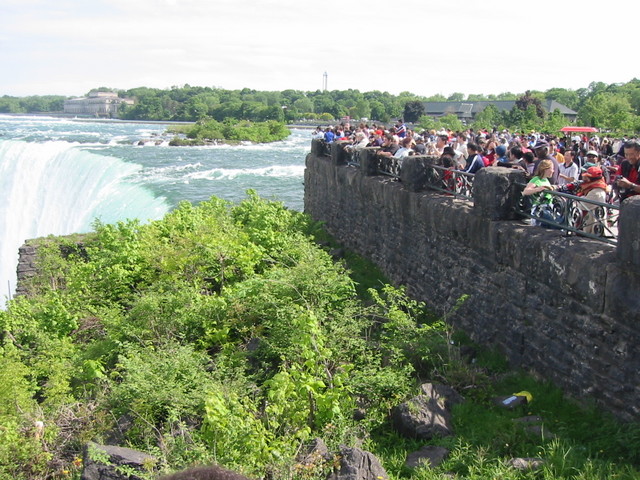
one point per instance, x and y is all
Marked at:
(599, 168)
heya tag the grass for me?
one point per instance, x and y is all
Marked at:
(575, 442)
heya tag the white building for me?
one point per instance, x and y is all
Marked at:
(98, 104)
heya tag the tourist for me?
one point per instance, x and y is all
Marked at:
(401, 128)
(460, 145)
(437, 148)
(419, 147)
(541, 149)
(474, 161)
(405, 148)
(390, 146)
(593, 187)
(537, 188)
(569, 170)
(628, 177)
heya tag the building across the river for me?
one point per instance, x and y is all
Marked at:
(98, 104)
(467, 110)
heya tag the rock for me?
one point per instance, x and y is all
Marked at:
(426, 415)
(429, 455)
(526, 463)
(205, 473)
(356, 464)
(315, 453)
(106, 462)
(119, 431)
(445, 392)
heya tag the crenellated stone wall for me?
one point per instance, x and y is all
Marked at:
(565, 308)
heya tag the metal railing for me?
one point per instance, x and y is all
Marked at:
(572, 214)
(438, 178)
(449, 181)
(389, 166)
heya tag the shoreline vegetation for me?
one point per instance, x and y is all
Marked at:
(212, 132)
(613, 108)
(236, 334)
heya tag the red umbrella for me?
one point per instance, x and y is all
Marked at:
(579, 129)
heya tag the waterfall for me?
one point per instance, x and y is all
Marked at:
(59, 188)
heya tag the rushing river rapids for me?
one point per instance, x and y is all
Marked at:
(58, 175)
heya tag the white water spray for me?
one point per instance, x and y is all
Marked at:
(58, 188)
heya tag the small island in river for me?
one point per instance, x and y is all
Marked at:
(212, 132)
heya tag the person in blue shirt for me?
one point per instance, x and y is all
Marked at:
(401, 128)
(474, 161)
(329, 136)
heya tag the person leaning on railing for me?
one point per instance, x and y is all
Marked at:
(593, 187)
(537, 187)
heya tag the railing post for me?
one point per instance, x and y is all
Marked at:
(368, 161)
(317, 147)
(338, 155)
(495, 193)
(628, 248)
(414, 173)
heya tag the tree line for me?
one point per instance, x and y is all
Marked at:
(614, 107)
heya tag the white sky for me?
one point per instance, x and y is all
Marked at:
(68, 47)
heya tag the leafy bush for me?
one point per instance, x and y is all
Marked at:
(225, 333)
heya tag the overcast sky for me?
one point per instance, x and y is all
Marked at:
(68, 47)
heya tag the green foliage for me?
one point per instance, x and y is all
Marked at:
(234, 433)
(451, 122)
(231, 130)
(224, 333)
(159, 386)
(31, 104)
(618, 110)
(488, 118)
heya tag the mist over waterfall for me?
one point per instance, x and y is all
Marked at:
(59, 188)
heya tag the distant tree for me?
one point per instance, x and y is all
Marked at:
(378, 111)
(566, 97)
(606, 110)
(436, 98)
(303, 104)
(452, 122)
(427, 123)
(362, 109)
(488, 118)
(456, 97)
(528, 99)
(554, 122)
(413, 110)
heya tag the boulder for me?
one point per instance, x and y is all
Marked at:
(442, 392)
(107, 462)
(315, 453)
(205, 473)
(428, 414)
(428, 456)
(356, 464)
(526, 463)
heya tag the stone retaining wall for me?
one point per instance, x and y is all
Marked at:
(565, 308)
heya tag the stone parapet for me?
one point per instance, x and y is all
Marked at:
(565, 308)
